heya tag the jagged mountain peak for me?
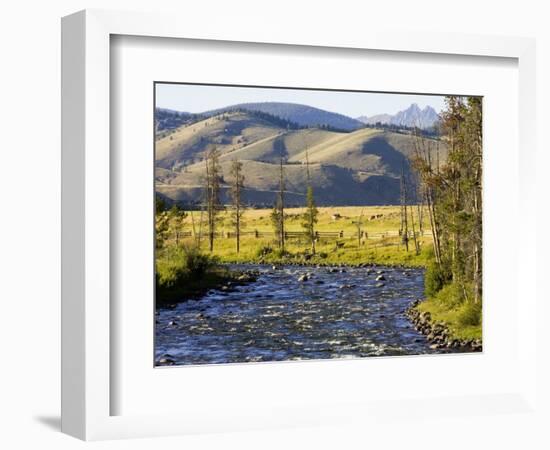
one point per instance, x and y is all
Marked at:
(413, 116)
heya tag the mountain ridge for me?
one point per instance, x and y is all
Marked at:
(302, 115)
(411, 117)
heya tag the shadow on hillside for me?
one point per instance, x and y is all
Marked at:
(391, 158)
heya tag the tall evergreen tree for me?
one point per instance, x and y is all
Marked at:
(454, 194)
(235, 192)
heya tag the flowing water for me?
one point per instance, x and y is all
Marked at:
(336, 313)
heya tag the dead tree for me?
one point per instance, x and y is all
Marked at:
(359, 225)
(278, 214)
(310, 216)
(235, 192)
(212, 188)
(403, 201)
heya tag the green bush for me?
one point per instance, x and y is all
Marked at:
(170, 271)
(435, 278)
(280, 254)
(264, 250)
(177, 264)
(196, 262)
(450, 296)
(469, 314)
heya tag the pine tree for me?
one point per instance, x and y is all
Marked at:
(454, 192)
(176, 220)
(235, 192)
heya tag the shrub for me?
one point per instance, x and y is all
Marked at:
(176, 265)
(279, 253)
(264, 251)
(196, 262)
(435, 278)
(323, 255)
(170, 269)
(450, 296)
(469, 314)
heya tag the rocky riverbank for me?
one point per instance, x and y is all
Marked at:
(438, 333)
(322, 264)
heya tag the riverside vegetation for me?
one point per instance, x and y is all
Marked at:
(436, 226)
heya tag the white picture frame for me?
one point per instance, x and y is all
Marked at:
(87, 325)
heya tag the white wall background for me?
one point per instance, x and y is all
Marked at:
(30, 197)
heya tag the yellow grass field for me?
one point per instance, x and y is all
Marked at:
(380, 244)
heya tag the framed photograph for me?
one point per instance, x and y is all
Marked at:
(265, 231)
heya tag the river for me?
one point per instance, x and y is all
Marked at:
(337, 313)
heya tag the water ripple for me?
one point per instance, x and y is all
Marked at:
(335, 314)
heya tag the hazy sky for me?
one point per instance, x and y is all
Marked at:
(196, 99)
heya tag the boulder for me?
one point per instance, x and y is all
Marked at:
(166, 361)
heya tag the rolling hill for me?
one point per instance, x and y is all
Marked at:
(302, 115)
(360, 167)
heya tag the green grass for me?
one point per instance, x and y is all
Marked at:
(380, 251)
(462, 316)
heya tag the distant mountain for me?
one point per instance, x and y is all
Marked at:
(373, 120)
(303, 115)
(413, 116)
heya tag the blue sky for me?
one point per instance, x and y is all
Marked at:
(196, 99)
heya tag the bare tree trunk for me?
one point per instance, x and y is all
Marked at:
(416, 247)
(433, 225)
(281, 206)
(420, 209)
(238, 234)
(405, 227)
(193, 225)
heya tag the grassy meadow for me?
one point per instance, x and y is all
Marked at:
(380, 245)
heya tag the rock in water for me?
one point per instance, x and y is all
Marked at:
(166, 361)
(380, 278)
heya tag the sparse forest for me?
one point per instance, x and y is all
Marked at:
(453, 194)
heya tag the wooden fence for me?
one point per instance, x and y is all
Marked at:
(320, 235)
